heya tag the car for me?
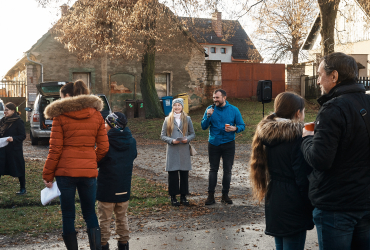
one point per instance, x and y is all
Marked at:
(48, 93)
(1, 109)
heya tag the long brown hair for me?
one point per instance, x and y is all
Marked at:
(75, 88)
(286, 106)
(170, 125)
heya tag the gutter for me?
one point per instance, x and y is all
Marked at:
(42, 66)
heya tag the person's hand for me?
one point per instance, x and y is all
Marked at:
(175, 142)
(230, 128)
(210, 112)
(10, 139)
(306, 132)
(184, 141)
(48, 184)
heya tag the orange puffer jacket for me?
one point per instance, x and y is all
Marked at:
(77, 127)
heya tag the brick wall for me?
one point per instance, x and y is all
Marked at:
(294, 74)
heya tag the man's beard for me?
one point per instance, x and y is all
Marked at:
(219, 103)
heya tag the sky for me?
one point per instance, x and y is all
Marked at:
(23, 22)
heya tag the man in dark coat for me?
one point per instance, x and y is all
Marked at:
(114, 180)
(339, 152)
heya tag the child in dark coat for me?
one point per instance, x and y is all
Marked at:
(114, 180)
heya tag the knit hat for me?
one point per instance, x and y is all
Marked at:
(116, 120)
(178, 100)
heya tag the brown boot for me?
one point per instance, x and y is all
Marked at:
(225, 198)
(211, 198)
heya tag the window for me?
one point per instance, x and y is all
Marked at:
(223, 50)
(213, 49)
(85, 76)
(162, 84)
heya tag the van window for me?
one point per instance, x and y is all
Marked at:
(105, 103)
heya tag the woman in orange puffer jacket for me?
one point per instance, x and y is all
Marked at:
(77, 127)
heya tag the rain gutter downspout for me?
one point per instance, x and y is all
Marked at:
(42, 66)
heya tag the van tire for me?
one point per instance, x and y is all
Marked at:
(34, 140)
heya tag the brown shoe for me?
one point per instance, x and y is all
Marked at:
(225, 198)
(211, 198)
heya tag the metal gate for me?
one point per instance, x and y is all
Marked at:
(312, 90)
(13, 88)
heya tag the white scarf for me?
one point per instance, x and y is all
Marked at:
(177, 118)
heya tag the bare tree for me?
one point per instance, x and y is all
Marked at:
(283, 27)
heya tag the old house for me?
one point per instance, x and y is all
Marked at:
(192, 70)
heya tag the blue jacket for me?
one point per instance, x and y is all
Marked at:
(115, 169)
(227, 114)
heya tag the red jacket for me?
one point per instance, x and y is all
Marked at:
(77, 127)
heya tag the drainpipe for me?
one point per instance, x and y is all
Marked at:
(42, 66)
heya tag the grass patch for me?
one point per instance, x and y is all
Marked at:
(26, 214)
(251, 112)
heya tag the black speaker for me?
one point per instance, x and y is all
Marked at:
(264, 91)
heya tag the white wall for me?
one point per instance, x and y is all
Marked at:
(218, 56)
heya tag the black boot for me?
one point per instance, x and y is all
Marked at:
(122, 246)
(225, 198)
(94, 238)
(211, 198)
(22, 191)
(105, 247)
(174, 201)
(183, 200)
(71, 241)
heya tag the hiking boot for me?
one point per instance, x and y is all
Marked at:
(105, 247)
(22, 191)
(184, 201)
(211, 198)
(225, 198)
(174, 201)
(122, 246)
(70, 240)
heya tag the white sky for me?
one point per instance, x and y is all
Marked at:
(23, 22)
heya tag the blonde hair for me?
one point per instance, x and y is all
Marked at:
(170, 125)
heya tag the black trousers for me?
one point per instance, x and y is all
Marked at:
(227, 152)
(176, 186)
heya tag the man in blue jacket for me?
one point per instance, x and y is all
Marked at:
(223, 120)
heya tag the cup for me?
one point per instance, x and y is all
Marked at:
(310, 126)
(226, 125)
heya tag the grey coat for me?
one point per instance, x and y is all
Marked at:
(177, 155)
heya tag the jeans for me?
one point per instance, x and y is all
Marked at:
(227, 152)
(293, 242)
(342, 230)
(86, 188)
(174, 187)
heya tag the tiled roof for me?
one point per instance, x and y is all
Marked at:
(232, 34)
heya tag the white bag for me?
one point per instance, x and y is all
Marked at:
(49, 194)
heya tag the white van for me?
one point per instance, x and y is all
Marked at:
(1, 109)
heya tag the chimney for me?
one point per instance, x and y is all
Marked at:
(64, 9)
(217, 23)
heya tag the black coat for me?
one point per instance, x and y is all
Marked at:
(11, 156)
(287, 207)
(115, 169)
(339, 152)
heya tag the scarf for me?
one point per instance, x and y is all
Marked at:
(177, 118)
(6, 122)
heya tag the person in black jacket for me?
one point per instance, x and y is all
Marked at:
(338, 150)
(11, 156)
(114, 180)
(279, 172)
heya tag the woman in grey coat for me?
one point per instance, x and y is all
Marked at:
(177, 132)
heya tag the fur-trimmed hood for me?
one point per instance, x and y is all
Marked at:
(73, 104)
(271, 131)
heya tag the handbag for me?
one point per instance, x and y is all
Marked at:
(191, 147)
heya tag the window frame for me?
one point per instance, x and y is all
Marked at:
(224, 50)
(213, 50)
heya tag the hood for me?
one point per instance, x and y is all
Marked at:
(275, 131)
(72, 106)
(120, 139)
(345, 87)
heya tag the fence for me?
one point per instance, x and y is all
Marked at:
(12, 88)
(312, 90)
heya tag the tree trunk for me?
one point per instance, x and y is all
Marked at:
(328, 14)
(295, 50)
(147, 83)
